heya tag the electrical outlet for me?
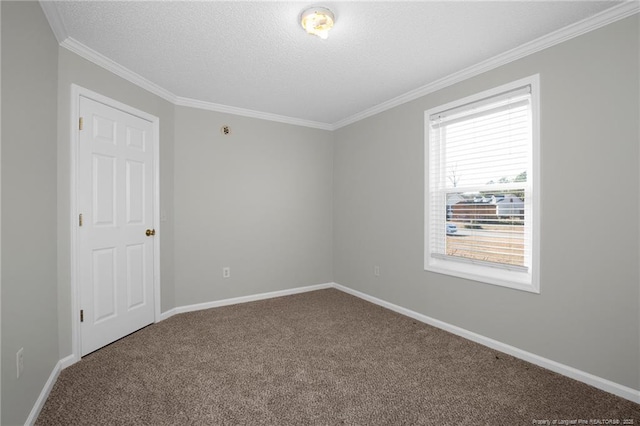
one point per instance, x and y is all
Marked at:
(20, 361)
(226, 272)
(376, 271)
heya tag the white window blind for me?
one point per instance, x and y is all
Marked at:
(479, 200)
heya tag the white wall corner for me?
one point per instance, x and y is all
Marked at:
(55, 20)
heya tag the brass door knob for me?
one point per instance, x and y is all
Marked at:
(150, 232)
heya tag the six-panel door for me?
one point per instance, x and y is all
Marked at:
(115, 197)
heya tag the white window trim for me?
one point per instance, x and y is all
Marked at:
(527, 281)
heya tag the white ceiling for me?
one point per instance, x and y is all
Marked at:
(254, 58)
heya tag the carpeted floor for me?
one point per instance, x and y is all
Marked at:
(321, 358)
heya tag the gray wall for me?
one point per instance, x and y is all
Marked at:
(587, 315)
(258, 201)
(29, 311)
(75, 70)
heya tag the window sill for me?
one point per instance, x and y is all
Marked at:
(524, 281)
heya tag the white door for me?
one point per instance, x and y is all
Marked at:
(115, 200)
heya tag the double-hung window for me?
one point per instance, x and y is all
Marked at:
(482, 191)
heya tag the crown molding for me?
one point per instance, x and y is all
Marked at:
(594, 22)
(55, 20)
(99, 59)
(210, 106)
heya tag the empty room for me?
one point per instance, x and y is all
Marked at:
(289, 213)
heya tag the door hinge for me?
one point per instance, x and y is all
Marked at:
(80, 219)
(81, 315)
(80, 123)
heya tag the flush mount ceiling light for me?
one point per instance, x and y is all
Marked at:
(317, 21)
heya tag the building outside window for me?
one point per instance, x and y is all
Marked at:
(482, 186)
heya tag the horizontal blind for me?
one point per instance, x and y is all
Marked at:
(480, 156)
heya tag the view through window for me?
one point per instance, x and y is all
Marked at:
(479, 207)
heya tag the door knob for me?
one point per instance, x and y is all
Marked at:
(150, 232)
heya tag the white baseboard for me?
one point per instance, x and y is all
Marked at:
(46, 390)
(565, 370)
(167, 314)
(68, 361)
(242, 299)
(582, 376)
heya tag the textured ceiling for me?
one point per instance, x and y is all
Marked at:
(255, 55)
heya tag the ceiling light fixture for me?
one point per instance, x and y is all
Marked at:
(317, 21)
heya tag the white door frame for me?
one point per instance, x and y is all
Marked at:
(76, 93)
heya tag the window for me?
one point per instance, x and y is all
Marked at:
(481, 203)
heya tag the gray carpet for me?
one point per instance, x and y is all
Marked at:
(321, 358)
